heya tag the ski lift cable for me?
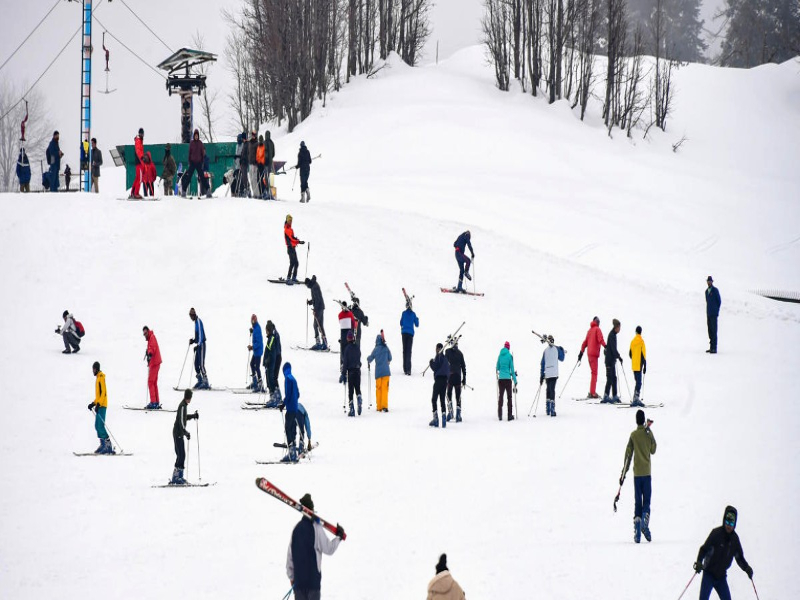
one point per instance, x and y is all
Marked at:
(121, 43)
(30, 34)
(146, 26)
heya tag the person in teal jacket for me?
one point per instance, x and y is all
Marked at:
(505, 375)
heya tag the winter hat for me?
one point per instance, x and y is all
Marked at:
(596, 320)
(187, 394)
(270, 326)
(507, 345)
(350, 336)
(96, 366)
(168, 147)
(442, 564)
(731, 516)
(55, 133)
(615, 322)
(439, 347)
(308, 282)
(288, 218)
(710, 278)
(253, 317)
(64, 314)
(307, 502)
(141, 131)
(640, 417)
(639, 329)
(302, 144)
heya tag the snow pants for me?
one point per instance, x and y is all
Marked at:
(71, 341)
(293, 263)
(272, 369)
(382, 393)
(152, 382)
(306, 594)
(304, 174)
(408, 343)
(290, 427)
(180, 451)
(319, 327)
(708, 583)
(100, 422)
(255, 368)
(252, 173)
(439, 390)
(200, 361)
(504, 385)
(186, 180)
(137, 181)
(641, 495)
(611, 379)
(353, 383)
(550, 393)
(53, 177)
(593, 368)
(463, 265)
(712, 332)
(454, 383)
(637, 377)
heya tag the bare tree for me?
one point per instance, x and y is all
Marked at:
(207, 102)
(496, 39)
(616, 30)
(588, 19)
(38, 131)
(635, 100)
(662, 81)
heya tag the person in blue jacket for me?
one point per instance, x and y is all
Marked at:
(257, 347)
(441, 372)
(713, 303)
(291, 398)
(304, 425)
(382, 357)
(272, 364)
(24, 171)
(551, 356)
(53, 155)
(199, 352)
(461, 244)
(408, 320)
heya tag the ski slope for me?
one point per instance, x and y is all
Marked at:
(567, 224)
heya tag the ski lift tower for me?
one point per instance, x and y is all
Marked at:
(185, 83)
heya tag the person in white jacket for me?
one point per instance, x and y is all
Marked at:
(551, 356)
(68, 331)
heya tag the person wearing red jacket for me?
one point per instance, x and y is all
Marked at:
(138, 149)
(150, 174)
(347, 324)
(291, 244)
(197, 153)
(153, 355)
(594, 339)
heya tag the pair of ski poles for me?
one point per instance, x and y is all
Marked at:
(103, 421)
(695, 575)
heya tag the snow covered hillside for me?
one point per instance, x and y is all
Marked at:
(566, 224)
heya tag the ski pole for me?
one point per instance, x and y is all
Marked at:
(294, 179)
(754, 588)
(535, 401)
(619, 491)
(247, 365)
(289, 593)
(344, 398)
(688, 584)
(306, 324)
(369, 385)
(626, 382)
(568, 378)
(188, 454)
(516, 408)
(308, 249)
(473, 275)
(180, 377)
(102, 420)
(197, 435)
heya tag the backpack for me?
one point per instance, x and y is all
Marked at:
(79, 328)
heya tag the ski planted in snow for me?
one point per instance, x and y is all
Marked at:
(267, 487)
(99, 454)
(464, 292)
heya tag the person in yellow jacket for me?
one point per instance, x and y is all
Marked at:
(99, 407)
(638, 356)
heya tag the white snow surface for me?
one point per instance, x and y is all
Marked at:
(567, 224)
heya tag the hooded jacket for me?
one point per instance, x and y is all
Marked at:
(197, 151)
(505, 366)
(170, 168)
(272, 349)
(316, 295)
(458, 366)
(408, 320)
(382, 357)
(153, 351)
(444, 587)
(100, 392)
(351, 357)
(593, 341)
(291, 393)
(304, 159)
(138, 149)
(150, 172)
(638, 353)
(269, 149)
(23, 168)
(288, 235)
(721, 548)
(252, 148)
(258, 340)
(440, 366)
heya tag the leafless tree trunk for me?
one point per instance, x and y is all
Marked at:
(495, 24)
(38, 132)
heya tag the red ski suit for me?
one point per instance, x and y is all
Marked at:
(594, 339)
(138, 147)
(153, 366)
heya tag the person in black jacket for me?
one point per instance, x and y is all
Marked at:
(178, 433)
(458, 377)
(304, 164)
(351, 371)
(612, 355)
(713, 303)
(304, 557)
(272, 364)
(318, 308)
(717, 554)
(441, 372)
(360, 317)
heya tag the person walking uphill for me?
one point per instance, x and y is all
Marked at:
(461, 244)
(179, 431)
(304, 164)
(551, 356)
(138, 155)
(153, 354)
(443, 586)
(717, 554)
(457, 378)
(257, 347)
(291, 244)
(638, 356)
(612, 355)
(304, 557)
(197, 154)
(199, 351)
(24, 171)
(53, 155)
(713, 304)
(641, 445)
(505, 372)
(408, 320)
(99, 406)
(594, 339)
(317, 305)
(441, 373)
(351, 372)
(291, 399)
(382, 357)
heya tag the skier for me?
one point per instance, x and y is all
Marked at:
(317, 305)
(505, 372)
(347, 325)
(291, 244)
(261, 157)
(168, 170)
(97, 162)
(179, 431)
(304, 164)
(713, 303)
(461, 244)
(611, 356)
(153, 354)
(551, 356)
(197, 152)
(69, 333)
(443, 586)
(199, 351)
(272, 364)
(24, 171)
(717, 554)
(252, 163)
(638, 356)
(594, 339)
(351, 372)
(361, 319)
(641, 444)
(269, 156)
(408, 320)
(53, 155)
(99, 407)
(441, 372)
(458, 377)
(257, 347)
(138, 154)
(304, 557)
(382, 357)
(304, 426)
(149, 176)
(291, 397)
(239, 186)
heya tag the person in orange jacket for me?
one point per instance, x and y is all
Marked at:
(138, 149)
(150, 174)
(153, 355)
(594, 339)
(291, 244)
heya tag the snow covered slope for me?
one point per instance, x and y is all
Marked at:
(566, 223)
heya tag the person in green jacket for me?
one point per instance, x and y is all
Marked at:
(641, 445)
(505, 375)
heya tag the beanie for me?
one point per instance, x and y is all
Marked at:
(639, 329)
(615, 322)
(96, 365)
(64, 314)
(508, 346)
(307, 502)
(442, 564)
(640, 417)
(187, 394)
(141, 131)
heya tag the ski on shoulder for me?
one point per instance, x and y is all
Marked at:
(265, 486)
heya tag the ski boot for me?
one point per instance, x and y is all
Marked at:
(67, 351)
(291, 454)
(593, 396)
(352, 412)
(101, 448)
(359, 404)
(646, 526)
(302, 197)
(109, 447)
(449, 411)
(637, 529)
(637, 402)
(606, 399)
(316, 346)
(547, 406)
(458, 415)
(616, 400)
(510, 418)
(552, 408)
(199, 384)
(467, 275)
(324, 345)
(289, 281)
(444, 420)
(153, 406)
(177, 477)
(435, 421)
(308, 194)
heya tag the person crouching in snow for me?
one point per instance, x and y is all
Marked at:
(551, 356)
(99, 406)
(443, 586)
(69, 333)
(179, 431)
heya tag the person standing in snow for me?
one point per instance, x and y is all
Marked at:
(257, 347)
(149, 177)
(179, 431)
(304, 164)
(138, 156)
(96, 163)
(408, 320)
(317, 305)
(197, 153)
(261, 158)
(505, 372)
(272, 364)
(24, 171)
(717, 554)
(69, 333)
(153, 355)
(199, 351)
(441, 372)
(291, 245)
(168, 170)
(99, 406)
(252, 163)
(269, 156)
(347, 325)
(382, 357)
(551, 356)
(53, 155)
(713, 304)
(461, 244)
(351, 372)
(304, 557)
(612, 356)
(67, 177)
(594, 339)
(638, 356)
(361, 319)
(443, 586)
(457, 378)
(291, 399)
(641, 445)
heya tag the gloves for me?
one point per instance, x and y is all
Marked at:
(644, 367)
(464, 381)
(541, 380)
(620, 359)
(58, 329)
(698, 566)
(249, 347)
(339, 531)
(191, 340)
(580, 356)
(91, 406)
(309, 302)
(300, 242)
(280, 407)
(196, 415)
(430, 363)
(188, 435)
(749, 572)
(342, 378)
(515, 389)
(308, 448)
(621, 480)
(251, 330)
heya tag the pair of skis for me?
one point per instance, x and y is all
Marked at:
(265, 486)
(451, 340)
(306, 453)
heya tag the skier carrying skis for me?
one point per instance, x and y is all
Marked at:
(638, 356)
(199, 351)
(317, 305)
(443, 586)
(551, 356)
(257, 348)
(272, 364)
(612, 355)
(641, 445)
(594, 339)
(291, 398)
(291, 244)
(408, 320)
(138, 155)
(99, 406)
(717, 554)
(69, 333)
(713, 303)
(505, 372)
(441, 372)
(461, 244)
(304, 164)
(347, 325)
(153, 355)
(304, 557)
(457, 378)
(351, 371)
(361, 319)
(179, 431)
(382, 357)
